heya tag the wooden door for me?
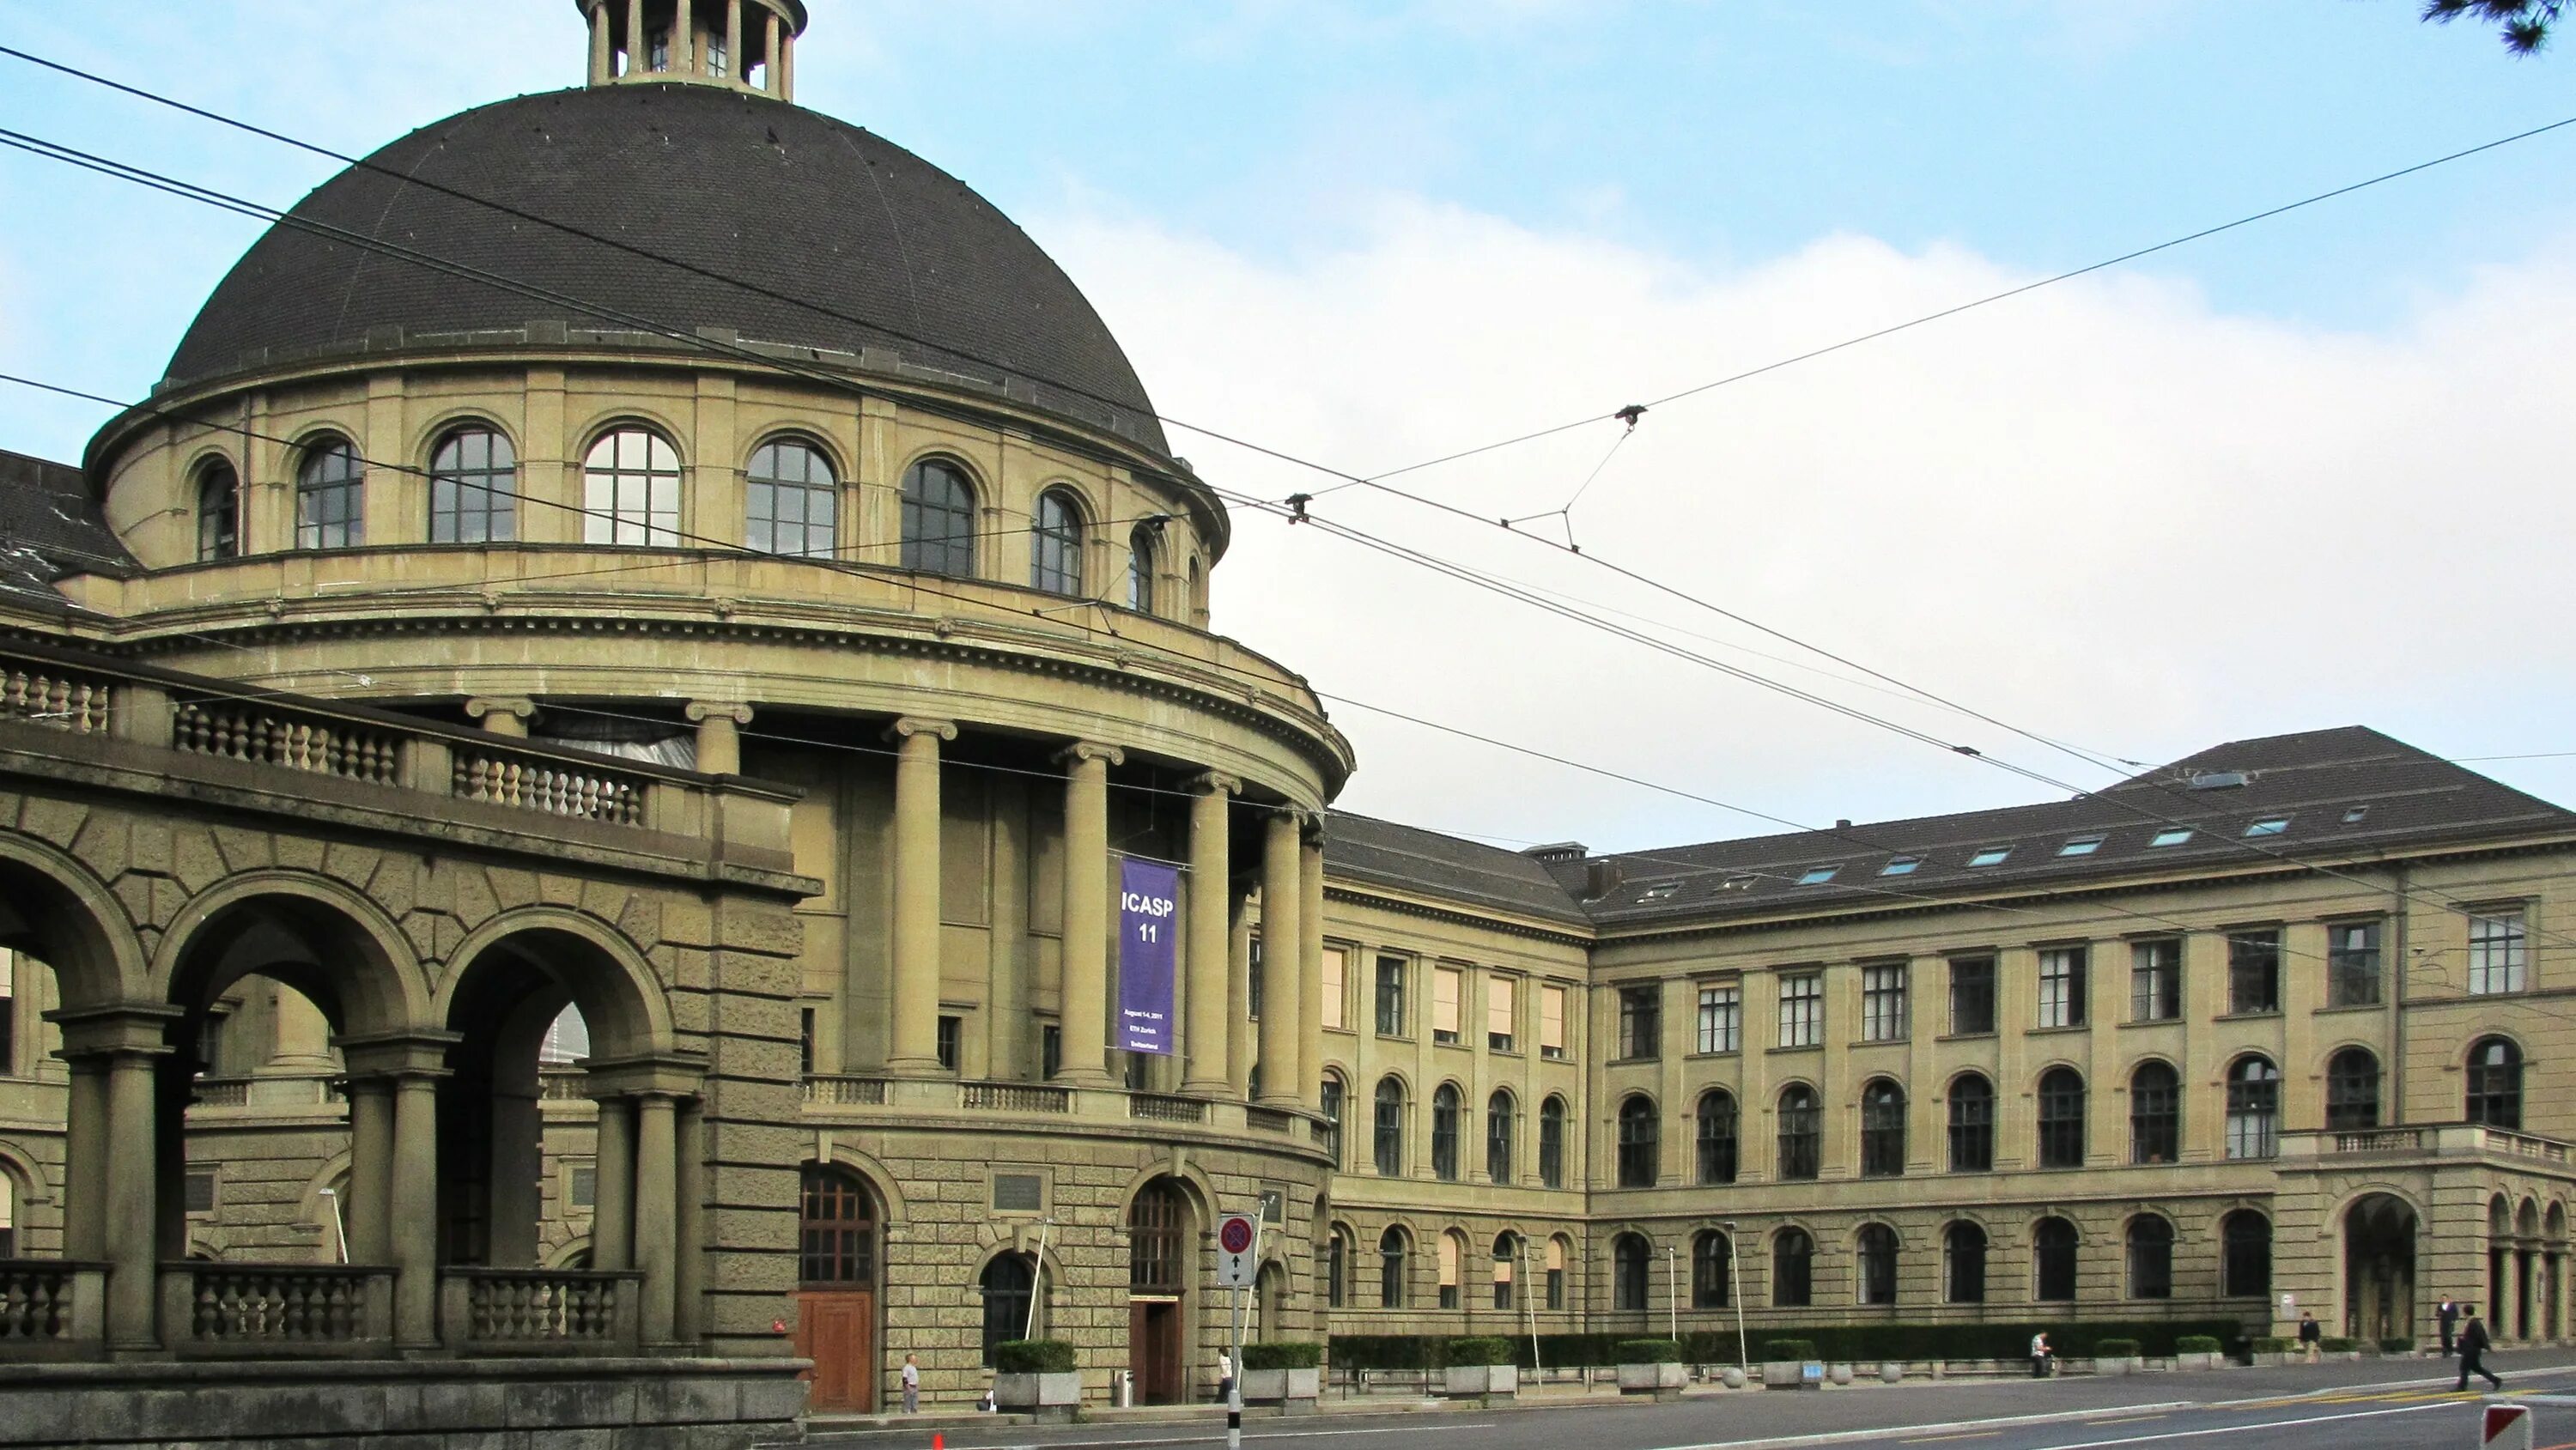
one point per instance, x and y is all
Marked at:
(1154, 1350)
(837, 1330)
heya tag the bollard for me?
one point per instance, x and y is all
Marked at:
(2505, 1427)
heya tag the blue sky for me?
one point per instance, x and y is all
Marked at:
(1369, 233)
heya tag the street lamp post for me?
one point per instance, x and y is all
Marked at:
(1735, 1280)
(1672, 1294)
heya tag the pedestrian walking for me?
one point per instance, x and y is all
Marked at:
(2448, 1316)
(1225, 1376)
(2311, 1337)
(911, 1385)
(2474, 1344)
(2040, 1355)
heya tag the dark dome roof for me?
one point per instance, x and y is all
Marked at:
(787, 200)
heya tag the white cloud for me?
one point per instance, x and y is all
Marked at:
(2103, 511)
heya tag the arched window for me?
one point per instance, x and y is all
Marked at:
(2151, 1241)
(1876, 1250)
(1453, 1259)
(1444, 1133)
(791, 501)
(1055, 544)
(1712, 1270)
(1336, 1097)
(1157, 1232)
(1717, 1136)
(2352, 1091)
(1793, 1269)
(2495, 1083)
(2061, 1118)
(2052, 1260)
(2155, 1114)
(1963, 1250)
(1558, 1251)
(1801, 1129)
(1628, 1271)
(1390, 1268)
(1638, 1141)
(1507, 1256)
(330, 497)
(1551, 1142)
(1337, 1267)
(1388, 1147)
(218, 512)
(837, 1231)
(1499, 1126)
(2245, 1266)
(473, 488)
(1007, 1284)
(1882, 1131)
(2253, 1108)
(1972, 1124)
(630, 490)
(938, 519)
(1140, 569)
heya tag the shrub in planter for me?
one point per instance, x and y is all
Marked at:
(1481, 1367)
(2397, 1344)
(1652, 1367)
(2198, 1344)
(1649, 1351)
(1482, 1349)
(1282, 1372)
(2115, 1349)
(2273, 1344)
(1799, 1350)
(1036, 1375)
(1033, 1356)
(1283, 1354)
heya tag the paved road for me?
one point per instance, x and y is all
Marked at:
(2374, 1405)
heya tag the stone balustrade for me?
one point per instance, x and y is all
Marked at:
(539, 1311)
(52, 1308)
(2443, 1140)
(45, 695)
(242, 1311)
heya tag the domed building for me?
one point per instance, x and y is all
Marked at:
(621, 780)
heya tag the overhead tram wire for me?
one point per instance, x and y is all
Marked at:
(209, 196)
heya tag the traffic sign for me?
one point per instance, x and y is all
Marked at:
(2505, 1427)
(1236, 1235)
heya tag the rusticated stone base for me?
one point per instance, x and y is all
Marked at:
(520, 1404)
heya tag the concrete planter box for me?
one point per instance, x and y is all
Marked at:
(2272, 1359)
(1663, 1381)
(1048, 1396)
(2204, 1359)
(1282, 1387)
(1484, 1381)
(2119, 1364)
(1787, 1374)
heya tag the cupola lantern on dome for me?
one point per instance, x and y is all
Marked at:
(747, 45)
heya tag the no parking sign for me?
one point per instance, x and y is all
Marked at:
(1235, 1235)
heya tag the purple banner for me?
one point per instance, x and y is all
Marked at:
(1149, 897)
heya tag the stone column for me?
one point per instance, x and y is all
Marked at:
(1207, 1036)
(913, 976)
(1282, 891)
(1238, 993)
(719, 735)
(1310, 973)
(683, 39)
(85, 1150)
(656, 1232)
(415, 1228)
(1085, 1006)
(733, 40)
(603, 59)
(612, 1193)
(639, 51)
(371, 1170)
(503, 715)
(303, 1040)
(769, 54)
(688, 1193)
(786, 66)
(131, 1230)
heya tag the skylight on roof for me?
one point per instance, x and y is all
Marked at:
(2081, 846)
(1736, 883)
(2354, 816)
(1659, 891)
(1990, 856)
(2172, 836)
(1819, 875)
(1901, 866)
(2269, 826)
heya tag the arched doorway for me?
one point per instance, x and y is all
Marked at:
(2379, 1267)
(836, 1288)
(1158, 1235)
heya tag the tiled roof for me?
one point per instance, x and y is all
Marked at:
(50, 528)
(1382, 853)
(790, 200)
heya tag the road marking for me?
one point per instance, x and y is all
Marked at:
(1963, 1435)
(2123, 1420)
(2237, 1429)
(1139, 1444)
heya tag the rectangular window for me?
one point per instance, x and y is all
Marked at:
(1337, 965)
(1551, 1022)
(1641, 1021)
(2061, 987)
(2155, 981)
(1446, 984)
(2496, 950)
(1882, 1003)
(2352, 964)
(950, 1029)
(1802, 1009)
(1721, 1018)
(2254, 971)
(1972, 996)
(1390, 996)
(805, 1040)
(1253, 980)
(1502, 1012)
(1050, 1052)
(9, 1012)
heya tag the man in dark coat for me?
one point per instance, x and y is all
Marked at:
(2448, 1316)
(2473, 1345)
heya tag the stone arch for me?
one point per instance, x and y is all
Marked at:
(889, 1195)
(572, 1253)
(622, 1002)
(55, 909)
(1194, 1184)
(627, 412)
(2381, 1230)
(2526, 1219)
(312, 1209)
(797, 430)
(423, 443)
(305, 931)
(26, 1173)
